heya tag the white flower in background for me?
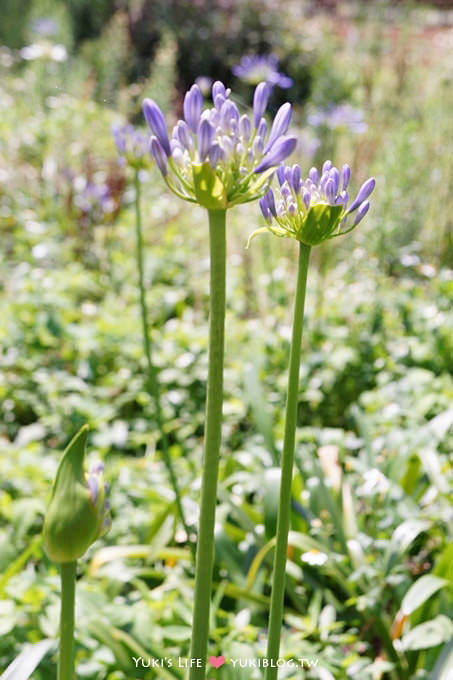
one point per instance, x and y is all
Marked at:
(44, 50)
(314, 558)
(374, 482)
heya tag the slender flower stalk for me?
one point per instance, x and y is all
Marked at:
(311, 211)
(153, 378)
(217, 158)
(205, 546)
(78, 514)
(284, 510)
(67, 619)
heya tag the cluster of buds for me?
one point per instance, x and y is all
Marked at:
(217, 157)
(132, 146)
(315, 209)
(78, 512)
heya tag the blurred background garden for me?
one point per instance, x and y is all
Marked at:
(370, 571)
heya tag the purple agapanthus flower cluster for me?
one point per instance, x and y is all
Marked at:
(218, 151)
(131, 144)
(339, 116)
(256, 68)
(314, 209)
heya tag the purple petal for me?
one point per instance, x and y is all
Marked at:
(335, 176)
(314, 175)
(281, 174)
(245, 127)
(265, 209)
(156, 121)
(280, 124)
(281, 149)
(330, 190)
(326, 166)
(158, 154)
(205, 134)
(271, 201)
(345, 175)
(193, 106)
(215, 154)
(364, 191)
(361, 212)
(307, 198)
(93, 485)
(260, 99)
(183, 135)
(218, 90)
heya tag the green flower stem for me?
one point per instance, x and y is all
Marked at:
(284, 511)
(153, 381)
(66, 656)
(213, 428)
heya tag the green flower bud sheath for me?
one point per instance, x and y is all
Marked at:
(66, 656)
(153, 378)
(284, 511)
(205, 545)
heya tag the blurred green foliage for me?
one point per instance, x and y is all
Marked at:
(372, 493)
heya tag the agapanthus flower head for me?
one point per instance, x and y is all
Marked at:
(255, 68)
(78, 512)
(316, 208)
(339, 116)
(217, 157)
(132, 145)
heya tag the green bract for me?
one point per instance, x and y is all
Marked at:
(75, 518)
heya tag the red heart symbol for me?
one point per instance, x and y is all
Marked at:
(216, 661)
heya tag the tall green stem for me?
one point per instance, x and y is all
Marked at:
(153, 378)
(284, 511)
(66, 656)
(212, 437)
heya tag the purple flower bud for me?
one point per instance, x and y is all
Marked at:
(258, 146)
(260, 99)
(215, 154)
(281, 174)
(245, 127)
(205, 134)
(296, 178)
(261, 129)
(265, 209)
(271, 202)
(314, 175)
(330, 190)
(307, 198)
(335, 176)
(193, 106)
(156, 121)
(292, 209)
(218, 90)
(364, 191)
(93, 485)
(184, 135)
(342, 198)
(285, 191)
(228, 113)
(280, 124)
(289, 175)
(283, 147)
(361, 212)
(345, 175)
(326, 166)
(159, 155)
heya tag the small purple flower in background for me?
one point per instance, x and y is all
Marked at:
(339, 116)
(45, 26)
(255, 68)
(93, 199)
(132, 145)
(217, 157)
(315, 209)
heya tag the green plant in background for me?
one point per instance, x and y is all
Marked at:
(310, 211)
(132, 145)
(216, 158)
(78, 514)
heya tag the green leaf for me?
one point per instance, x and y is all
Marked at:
(209, 190)
(421, 591)
(428, 634)
(28, 660)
